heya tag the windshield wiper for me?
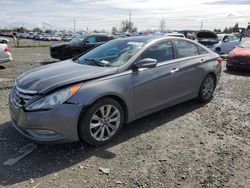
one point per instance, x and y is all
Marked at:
(102, 63)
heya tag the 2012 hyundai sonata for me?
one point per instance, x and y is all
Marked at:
(92, 96)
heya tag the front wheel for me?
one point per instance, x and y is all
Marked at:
(101, 122)
(207, 89)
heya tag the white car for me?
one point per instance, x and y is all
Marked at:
(3, 40)
(226, 44)
(219, 43)
(5, 55)
(175, 34)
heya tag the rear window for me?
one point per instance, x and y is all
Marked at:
(202, 50)
(185, 49)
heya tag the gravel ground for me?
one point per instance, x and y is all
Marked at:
(188, 145)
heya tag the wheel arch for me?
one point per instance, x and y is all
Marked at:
(119, 99)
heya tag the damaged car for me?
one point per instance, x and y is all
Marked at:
(219, 43)
(90, 97)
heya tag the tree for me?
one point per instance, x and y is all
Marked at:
(114, 30)
(21, 29)
(236, 27)
(37, 29)
(217, 30)
(226, 30)
(127, 26)
(162, 25)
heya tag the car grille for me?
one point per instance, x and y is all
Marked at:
(21, 97)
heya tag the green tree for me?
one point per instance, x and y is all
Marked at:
(37, 29)
(226, 30)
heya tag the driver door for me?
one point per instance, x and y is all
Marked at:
(155, 87)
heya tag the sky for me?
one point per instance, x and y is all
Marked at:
(104, 14)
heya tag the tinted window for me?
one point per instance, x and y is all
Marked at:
(202, 50)
(103, 38)
(185, 49)
(161, 52)
(91, 40)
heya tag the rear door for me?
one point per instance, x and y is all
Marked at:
(191, 59)
(158, 86)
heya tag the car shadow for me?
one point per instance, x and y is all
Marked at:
(2, 67)
(47, 159)
(238, 72)
(48, 62)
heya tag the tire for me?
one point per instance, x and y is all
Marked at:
(5, 41)
(229, 68)
(96, 129)
(207, 89)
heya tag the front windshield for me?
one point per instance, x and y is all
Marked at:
(220, 36)
(111, 54)
(245, 43)
(77, 39)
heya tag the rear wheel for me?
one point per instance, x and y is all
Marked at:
(4, 41)
(207, 88)
(101, 122)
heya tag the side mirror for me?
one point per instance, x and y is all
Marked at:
(146, 63)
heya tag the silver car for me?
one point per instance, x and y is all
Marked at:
(92, 96)
(5, 55)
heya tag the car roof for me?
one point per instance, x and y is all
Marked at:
(145, 39)
(149, 38)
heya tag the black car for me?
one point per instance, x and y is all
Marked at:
(78, 46)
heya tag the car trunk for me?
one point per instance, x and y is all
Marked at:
(207, 38)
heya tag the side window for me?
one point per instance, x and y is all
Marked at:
(161, 52)
(233, 38)
(202, 50)
(91, 40)
(102, 38)
(185, 49)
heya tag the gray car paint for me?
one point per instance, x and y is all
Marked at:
(140, 92)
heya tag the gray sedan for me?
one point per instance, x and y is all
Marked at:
(92, 96)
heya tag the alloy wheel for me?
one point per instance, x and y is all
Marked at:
(208, 87)
(105, 122)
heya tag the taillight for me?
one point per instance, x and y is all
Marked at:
(219, 60)
(6, 49)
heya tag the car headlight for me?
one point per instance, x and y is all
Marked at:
(55, 98)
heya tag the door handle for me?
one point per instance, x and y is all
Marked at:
(174, 70)
(202, 60)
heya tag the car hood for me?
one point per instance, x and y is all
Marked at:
(49, 77)
(206, 34)
(239, 51)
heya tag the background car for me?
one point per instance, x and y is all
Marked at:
(226, 43)
(240, 56)
(3, 40)
(78, 45)
(175, 34)
(92, 96)
(5, 55)
(207, 38)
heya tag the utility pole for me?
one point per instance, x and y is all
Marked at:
(74, 24)
(201, 25)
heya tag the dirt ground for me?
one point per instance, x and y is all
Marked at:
(188, 145)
